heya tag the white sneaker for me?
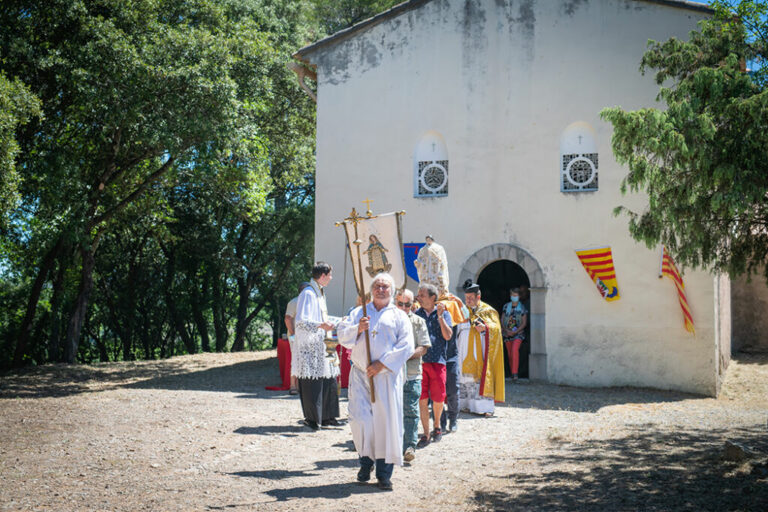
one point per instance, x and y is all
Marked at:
(409, 454)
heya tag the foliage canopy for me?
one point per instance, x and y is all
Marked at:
(703, 159)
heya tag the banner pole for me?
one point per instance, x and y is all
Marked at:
(361, 292)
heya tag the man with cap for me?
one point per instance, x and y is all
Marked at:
(481, 354)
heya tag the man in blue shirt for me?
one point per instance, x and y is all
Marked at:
(451, 410)
(433, 362)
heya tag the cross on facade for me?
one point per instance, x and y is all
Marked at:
(579, 139)
(433, 147)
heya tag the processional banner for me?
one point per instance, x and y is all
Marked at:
(598, 262)
(381, 247)
(669, 269)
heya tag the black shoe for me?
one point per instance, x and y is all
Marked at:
(384, 485)
(437, 435)
(364, 475)
(333, 422)
(423, 441)
(311, 424)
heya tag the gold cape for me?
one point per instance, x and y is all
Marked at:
(454, 307)
(492, 381)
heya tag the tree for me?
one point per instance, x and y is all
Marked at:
(129, 91)
(173, 143)
(335, 15)
(703, 161)
(17, 106)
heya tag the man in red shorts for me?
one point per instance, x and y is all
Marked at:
(433, 362)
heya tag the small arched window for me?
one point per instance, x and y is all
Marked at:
(430, 166)
(578, 158)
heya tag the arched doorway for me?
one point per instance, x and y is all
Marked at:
(483, 258)
(495, 281)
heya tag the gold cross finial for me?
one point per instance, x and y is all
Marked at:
(368, 205)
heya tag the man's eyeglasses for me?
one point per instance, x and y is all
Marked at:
(404, 304)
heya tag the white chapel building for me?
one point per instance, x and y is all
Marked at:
(480, 119)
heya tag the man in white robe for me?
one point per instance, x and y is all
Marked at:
(377, 428)
(316, 372)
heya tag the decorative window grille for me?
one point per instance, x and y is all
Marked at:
(430, 166)
(578, 158)
(432, 178)
(579, 172)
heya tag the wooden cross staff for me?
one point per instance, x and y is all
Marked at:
(355, 219)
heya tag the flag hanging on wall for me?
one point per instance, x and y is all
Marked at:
(669, 269)
(598, 262)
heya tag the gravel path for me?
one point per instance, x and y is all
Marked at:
(201, 433)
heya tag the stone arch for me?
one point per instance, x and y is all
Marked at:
(482, 258)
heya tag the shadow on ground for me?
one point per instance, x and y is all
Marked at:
(327, 491)
(247, 377)
(537, 395)
(269, 430)
(645, 470)
(59, 380)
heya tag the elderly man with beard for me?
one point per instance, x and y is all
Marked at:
(377, 426)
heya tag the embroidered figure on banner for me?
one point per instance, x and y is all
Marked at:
(377, 260)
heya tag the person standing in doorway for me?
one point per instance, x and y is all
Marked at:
(514, 320)
(316, 371)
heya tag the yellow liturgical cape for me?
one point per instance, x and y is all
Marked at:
(455, 307)
(489, 371)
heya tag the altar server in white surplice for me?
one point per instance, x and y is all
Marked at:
(377, 428)
(316, 372)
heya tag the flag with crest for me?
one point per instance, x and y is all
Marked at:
(598, 262)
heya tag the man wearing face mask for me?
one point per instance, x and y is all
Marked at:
(514, 318)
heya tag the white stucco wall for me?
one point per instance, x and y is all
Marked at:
(500, 81)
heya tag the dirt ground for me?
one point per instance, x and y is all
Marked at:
(201, 433)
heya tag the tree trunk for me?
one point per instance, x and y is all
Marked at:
(98, 338)
(128, 324)
(277, 322)
(149, 352)
(81, 304)
(176, 320)
(219, 317)
(243, 292)
(200, 321)
(54, 344)
(34, 297)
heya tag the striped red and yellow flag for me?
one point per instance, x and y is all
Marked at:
(598, 263)
(669, 269)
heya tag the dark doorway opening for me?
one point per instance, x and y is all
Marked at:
(495, 281)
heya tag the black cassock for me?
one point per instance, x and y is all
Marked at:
(319, 399)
